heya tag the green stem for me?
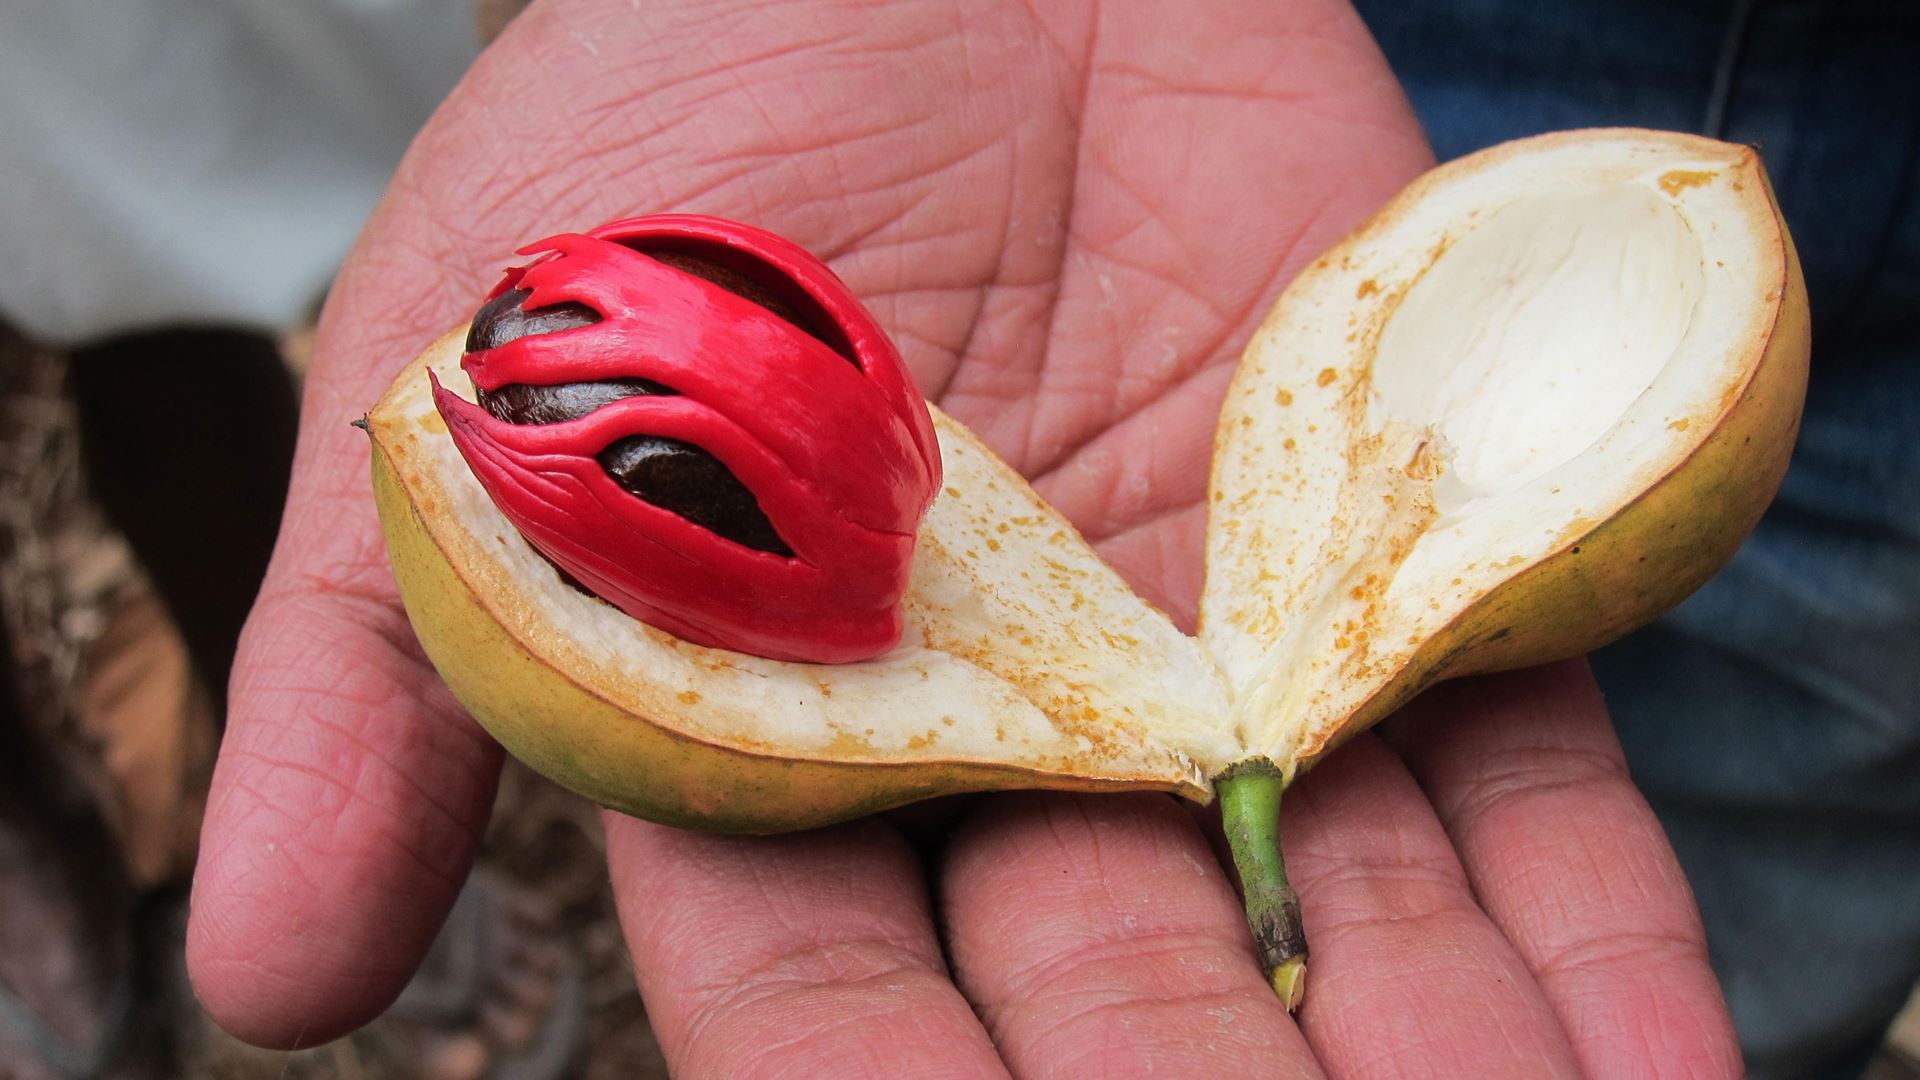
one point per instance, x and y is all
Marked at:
(1250, 810)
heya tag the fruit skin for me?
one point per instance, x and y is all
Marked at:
(1629, 569)
(820, 422)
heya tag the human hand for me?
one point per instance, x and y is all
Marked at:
(1070, 219)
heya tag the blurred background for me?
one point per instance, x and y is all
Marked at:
(156, 300)
(179, 180)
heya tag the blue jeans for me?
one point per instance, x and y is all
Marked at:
(1774, 719)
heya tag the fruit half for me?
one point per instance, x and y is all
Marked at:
(1531, 404)
(1535, 402)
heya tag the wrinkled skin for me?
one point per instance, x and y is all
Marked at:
(1070, 220)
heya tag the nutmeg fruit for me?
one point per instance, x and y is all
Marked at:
(1534, 402)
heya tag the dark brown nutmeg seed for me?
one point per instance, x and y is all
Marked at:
(688, 481)
(519, 403)
(502, 319)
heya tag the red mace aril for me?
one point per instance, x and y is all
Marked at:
(700, 424)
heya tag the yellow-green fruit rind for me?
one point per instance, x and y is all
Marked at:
(1656, 551)
(621, 760)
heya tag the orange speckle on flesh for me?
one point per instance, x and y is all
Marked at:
(1675, 181)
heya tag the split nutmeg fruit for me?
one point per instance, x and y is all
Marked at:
(1533, 403)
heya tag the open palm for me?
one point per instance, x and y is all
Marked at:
(1070, 218)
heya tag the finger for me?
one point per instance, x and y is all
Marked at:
(1098, 934)
(805, 955)
(345, 810)
(1569, 861)
(1407, 976)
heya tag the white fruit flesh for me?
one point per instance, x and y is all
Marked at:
(1517, 348)
(1528, 339)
